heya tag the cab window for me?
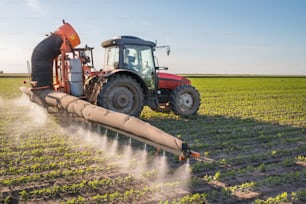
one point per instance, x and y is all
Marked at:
(111, 57)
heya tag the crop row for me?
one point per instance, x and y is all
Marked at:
(248, 171)
(271, 181)
(255, 186)
(106, 185)
(52, 174)
(44, 155)
(255, 159)
(75, 188)
(40, 167)
(133, 195)
(284, 198)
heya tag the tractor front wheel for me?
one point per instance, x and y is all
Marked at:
(185, 100)
(122, 94)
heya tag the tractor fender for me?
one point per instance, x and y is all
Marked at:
(171, 81)
(130, 73)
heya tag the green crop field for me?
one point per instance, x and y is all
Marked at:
(251, 128)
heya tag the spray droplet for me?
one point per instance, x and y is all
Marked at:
(145, 147)
(114, 147)
(187, 165)
(89, 125)
(144, 153)
(163, 166)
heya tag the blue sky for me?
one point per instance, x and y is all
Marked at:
(208, 37)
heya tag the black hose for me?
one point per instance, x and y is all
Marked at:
(42, 60)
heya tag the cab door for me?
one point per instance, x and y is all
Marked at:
(139, 58)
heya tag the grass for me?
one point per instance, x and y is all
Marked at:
(252, 127)
(10, 87)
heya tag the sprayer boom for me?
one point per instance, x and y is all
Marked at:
(124, 124)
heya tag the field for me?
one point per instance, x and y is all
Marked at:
(252, 129)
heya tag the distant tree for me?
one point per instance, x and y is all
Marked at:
(1, 72)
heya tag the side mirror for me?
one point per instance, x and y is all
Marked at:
(164, 46)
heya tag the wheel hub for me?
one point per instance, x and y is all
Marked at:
(186, 101)
(122, 99)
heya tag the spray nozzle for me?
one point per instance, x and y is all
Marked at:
(185, 153)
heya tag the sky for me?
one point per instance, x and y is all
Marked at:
(205, 36)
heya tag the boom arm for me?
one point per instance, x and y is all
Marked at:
(122, 123)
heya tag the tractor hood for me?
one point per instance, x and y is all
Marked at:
(171, 81)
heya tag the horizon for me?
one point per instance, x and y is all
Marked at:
(22, 75)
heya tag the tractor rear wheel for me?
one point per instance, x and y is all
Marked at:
(122, 94)
(185, 100)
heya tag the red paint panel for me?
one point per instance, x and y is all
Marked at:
(171, 81)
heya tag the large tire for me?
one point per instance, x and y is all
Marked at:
(185, 100)
(122, 94)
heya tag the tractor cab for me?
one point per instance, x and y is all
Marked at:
(131, 54)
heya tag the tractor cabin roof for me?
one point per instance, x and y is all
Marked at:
(121, 40)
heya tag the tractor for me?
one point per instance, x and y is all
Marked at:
(130, 79)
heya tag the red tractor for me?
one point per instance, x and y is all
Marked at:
(129, 80)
